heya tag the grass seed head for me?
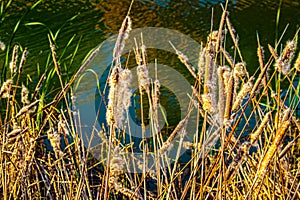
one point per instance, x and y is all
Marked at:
(5, 89)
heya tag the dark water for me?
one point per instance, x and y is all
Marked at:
(95, 21)
(89, 23)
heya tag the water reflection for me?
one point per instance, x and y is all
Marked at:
(99, 19)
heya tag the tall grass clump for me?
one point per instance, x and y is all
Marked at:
(251, 150)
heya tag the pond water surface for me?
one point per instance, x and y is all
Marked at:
(95, 21)
(89, 23)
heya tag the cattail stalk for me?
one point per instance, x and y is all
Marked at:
(179, 128)
(260, 55)
(222, 99)
(272, 51)
(201, 63)
(270, 153)
(227, 57)
(220, 32)
(27, 109)
(122, 36)
(23, 59)
(184, 59)
(259, 130)
(24, 95)
(13, 63)
(142, 70)
(246, 89)
(229, 98)
(232, 32)
(124, 96)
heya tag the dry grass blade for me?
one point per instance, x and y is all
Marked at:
(263, 166)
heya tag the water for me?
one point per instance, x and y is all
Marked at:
(97, 20)
(89, 23)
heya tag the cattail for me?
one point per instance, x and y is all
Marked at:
(180, 128)
(229, 98)
(116, 167)
(283, 63)
(246, 89)
(209, 70)
(123, 97)
(271, 151)
(212, 39)
(24, 95)
(232, 32)
(257, 85)
(155, 95)
(184, 59)
(207, 103)
(221, 26)
(239, 73)
(112, 98)
(222, 100)
(5, 89)
(227, 57)
(123, 35)
(284, 116)
(142, 73)
(144, 54)
(127, 192)
(272, 51)
(61, 126)
(297, 63)
(240, 70)
(201, 62)
(13, 63)
(226, 77)
(27, 109)
(264, 121)
(260, 55)
(23, 59)
(16, 131)
(54, 139)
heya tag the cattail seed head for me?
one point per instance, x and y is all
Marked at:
(155, 95)
(24, 95)
(240, 70)
(143, 78)
(283, 63)
(123, 35)
(5, 89)
(13, 63)
(265, 120)
(27, 109)
(246, 89)
(123, 97)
